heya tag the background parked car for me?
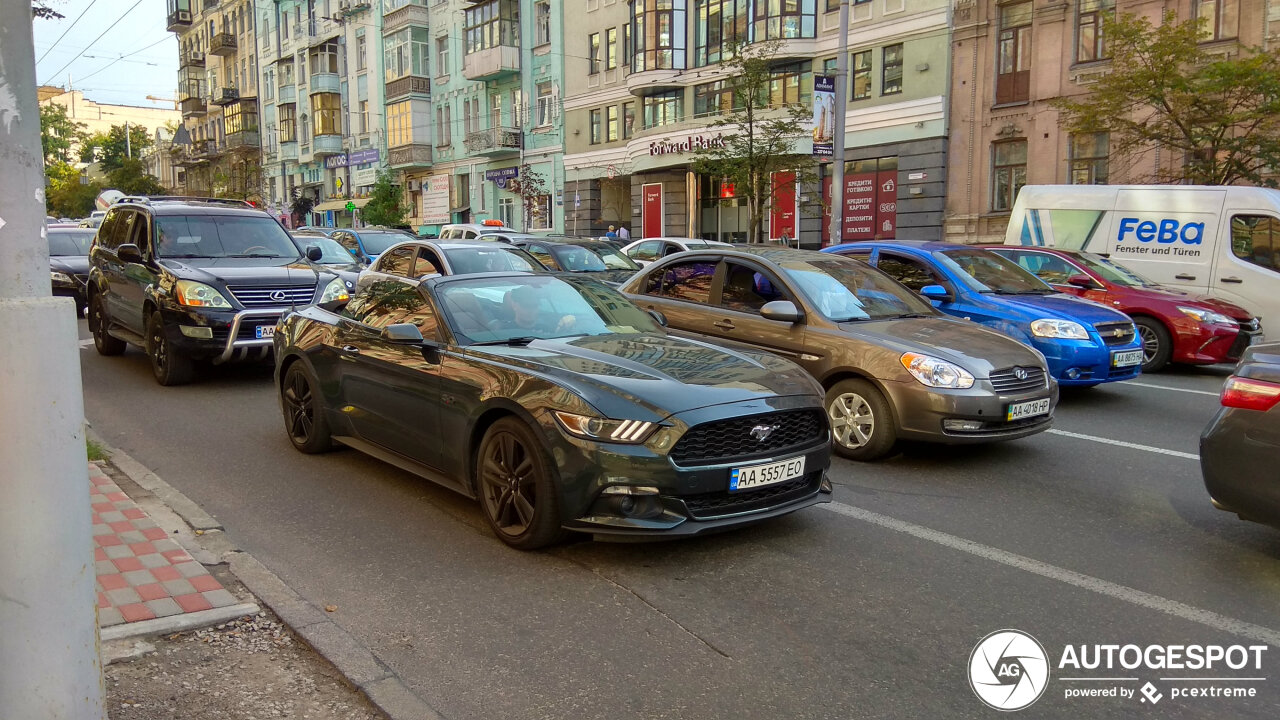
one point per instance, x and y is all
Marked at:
(333, 257)
(69, 263)
(1173, 325)
(1083, 342)
(558, 404)
(647, 250)
(418, 259)
(892, 367)
(1238, 449)
(366, 244)
(597, 258)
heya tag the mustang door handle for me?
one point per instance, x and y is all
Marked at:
(1232, 279)
(350, 349)
(724, 324)
(1184, 276)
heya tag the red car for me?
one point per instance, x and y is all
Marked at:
(1174, 326)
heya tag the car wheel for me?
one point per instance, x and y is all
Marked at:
(304, 417)
(168, 365)
(1156, 344)
(103, 342)
(516, 486)
(861, 423)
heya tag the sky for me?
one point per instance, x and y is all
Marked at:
(152, 71)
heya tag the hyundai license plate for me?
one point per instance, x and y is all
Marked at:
(1031, 408)
(749, 478)
(1126, 358)
(264, 331)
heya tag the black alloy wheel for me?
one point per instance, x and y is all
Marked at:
(103, 342)
(304, 418)
(169, 366)
(516, 489)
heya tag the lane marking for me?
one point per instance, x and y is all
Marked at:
(1166, 387)
(1117, 679)
(1086, 582)
(1226, 679)
(1123, 444)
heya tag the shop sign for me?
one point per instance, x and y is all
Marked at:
(782, 209)
(336, 161)
(435, 200)
(651, 219)
(363, 157)
(367, 176)
(689, 144)
(870, 206)
(502, 176)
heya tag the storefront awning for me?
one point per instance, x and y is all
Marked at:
(339, 204)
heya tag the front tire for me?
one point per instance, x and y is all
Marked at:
(1157, 346)
(862, 426)
(103, 342)
(516, 484)
(304, 417)
(169, 366)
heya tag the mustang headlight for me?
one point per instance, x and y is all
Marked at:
(1206, 316)
(1063, 329)
(197, 294)
(631, 432)
(60, 277)
(937, 373)
(336, 290)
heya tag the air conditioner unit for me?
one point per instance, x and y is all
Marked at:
(415, 185)
(184, 16)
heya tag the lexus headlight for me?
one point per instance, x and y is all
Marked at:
(630, 432)
(200, 295)
(60, 277)
(936, 373)
(335, 291)
(1206, 316)
(1063, 329)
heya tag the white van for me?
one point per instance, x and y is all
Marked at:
(1222, 241)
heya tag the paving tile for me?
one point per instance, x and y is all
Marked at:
(166, 573)
(121, 526)
(113, 581)
(142, 548)
(154, 560)
(139, 577)
(191, 569)
(178, 587)
(127, 563)
(151, 591)
(115, 552)
(111, 516)
(176, 556)
(194, 602)
(132, 536)
(134, 612)
(116, 496)
(109, 616)
(220, 598)
(151, 533)
(164, 606)
(103, 507)
(99, 479)
(123, 596)
(103, 600)
(144, 524)
(107, 538)
(204, 583)
(100, 554)
(165, 545)
(133, 513)
(104, 567)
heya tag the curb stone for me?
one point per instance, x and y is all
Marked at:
(359, 665)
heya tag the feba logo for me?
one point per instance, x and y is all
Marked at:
(1164, 231)
(1008, 670)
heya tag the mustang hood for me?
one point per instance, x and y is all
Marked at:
(967, 344)
(665, 374)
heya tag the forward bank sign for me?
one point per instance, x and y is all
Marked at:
(689, 144)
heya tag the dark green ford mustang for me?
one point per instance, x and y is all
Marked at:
(557, 403)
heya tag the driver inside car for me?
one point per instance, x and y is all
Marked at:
(522, 303)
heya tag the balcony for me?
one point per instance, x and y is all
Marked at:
(287, 93)
(222, 44)
(347, 8)
(495, 141)
(245, 140)
(406, 157)
(407, 15)
(326, 145)
(288, 151)
(408, 85)
(225, 95)
(491, 63)
(326, 83)
(179, 20)
(192, 107)
(648, 82)
(193, 58)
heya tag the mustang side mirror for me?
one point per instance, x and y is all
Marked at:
(129, 253)
(782, 311)
(1082, 281)
(402, 334)
(314, 253)
(935, 292)
(657, 317)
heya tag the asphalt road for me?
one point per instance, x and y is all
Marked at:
(867, 607)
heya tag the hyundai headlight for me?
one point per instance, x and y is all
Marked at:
(937, 373)
(1062, 329)
(197, 294)
(335, 291)
(631, 432)
(1209, 317)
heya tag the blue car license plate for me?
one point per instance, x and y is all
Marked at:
(264, 331)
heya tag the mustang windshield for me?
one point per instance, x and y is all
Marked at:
(988, 272)
(219, 236)
(845, 290)
(506, 310)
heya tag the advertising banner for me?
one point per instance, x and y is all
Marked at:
(435, 200)
(651, 220)
(782, 211)
(824, 115)
(870, 207)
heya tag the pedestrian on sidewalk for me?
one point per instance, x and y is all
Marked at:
(612, 234)
(623, 234)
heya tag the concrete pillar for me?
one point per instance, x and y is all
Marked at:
(49, 662)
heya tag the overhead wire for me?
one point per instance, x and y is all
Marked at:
(64, 32)
(95, 40)
(122, 57)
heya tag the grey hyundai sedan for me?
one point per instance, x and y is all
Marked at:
(893, 367)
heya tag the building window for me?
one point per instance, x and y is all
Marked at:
(1009, 173)
(360, 53)
(443, 135)
(713, 98)
(269, 86)
(781, 19)
(611, 123)
(596, 127)
(666, 108)
(286, 74)
(364, 116)
(492, 24)
(326, 113)
(611, 49)
(542, 23)
(1088, 156)
(790, 85)
(1090, 44)
(891, 72)
(1013, 66)
(626, 44)
(545, 107)
(861, 75)
(399, 124)
(720, 26)
(541, 214)
(1221, 18)
(495, 110)
(442, 55)
(239, 117)
(659, 35)
(518, 110)
(628, 119)
(288, 117)
(507, 211)
(324, 58)
(405, 53)
(593, 54)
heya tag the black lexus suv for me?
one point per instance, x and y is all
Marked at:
(196, 279)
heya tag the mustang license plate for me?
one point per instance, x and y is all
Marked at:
(1127, 358)
(264, 331)
(749, 478)
(1031, 408)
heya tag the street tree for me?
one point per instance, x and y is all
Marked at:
(65, 195)
(59, 134)
(532, 189)
(299, 207)
(131, 178)
(109, 148)
(386, 204)
(759, 126)
(1221, 117)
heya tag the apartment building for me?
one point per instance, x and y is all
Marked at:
(647, 78)
(1011, 59)
(218, 97)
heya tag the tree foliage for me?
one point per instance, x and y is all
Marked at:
(65, 195)
(42, 11)
(1164, 90)
(109, 148)
(131, 178)
(386, 205)
(59, 133)
(299, 208)
(759, 135)
(531, 187)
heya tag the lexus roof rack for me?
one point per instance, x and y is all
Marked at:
(148, 199)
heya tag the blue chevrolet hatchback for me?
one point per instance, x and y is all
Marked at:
(1084, 343)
